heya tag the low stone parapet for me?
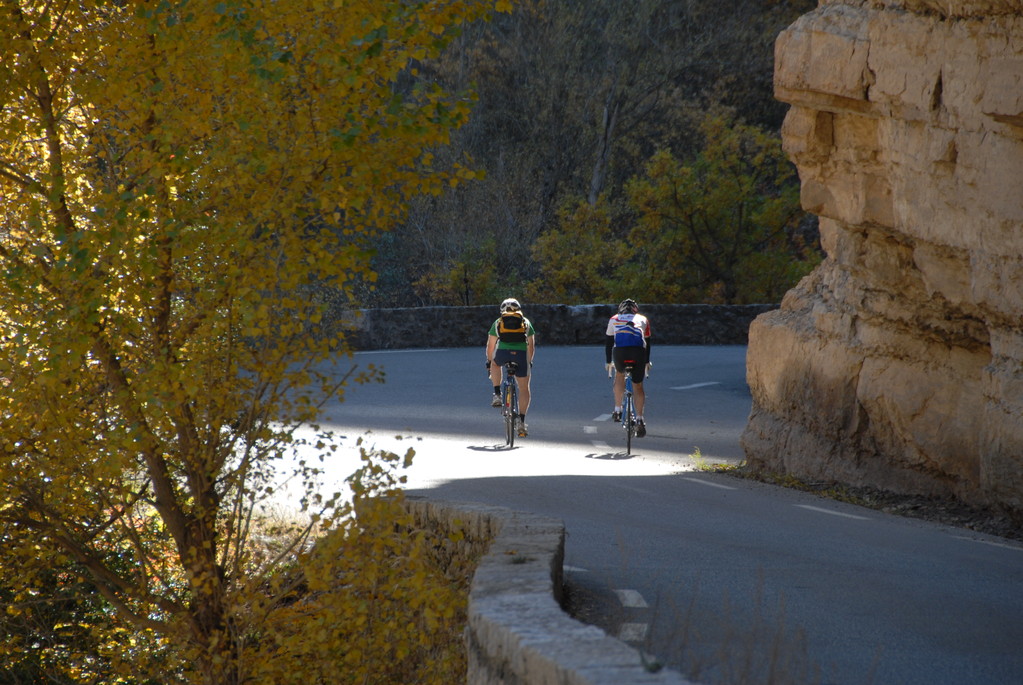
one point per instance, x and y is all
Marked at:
(517, 633)
(555, 324)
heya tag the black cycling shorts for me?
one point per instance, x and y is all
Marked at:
(502, 357)
(634, 356)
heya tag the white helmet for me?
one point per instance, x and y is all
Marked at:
(510, 305)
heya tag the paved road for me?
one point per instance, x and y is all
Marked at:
(725, 580)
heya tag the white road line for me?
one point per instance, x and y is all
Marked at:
(695, 385)
(589, 430)
(631, 599)
(574, 569)
(832, 512)
(601, 445)
(602, 417)
(707, 482)
(632, 632)
(988, 542)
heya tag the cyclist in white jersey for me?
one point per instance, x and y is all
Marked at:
(628, 338)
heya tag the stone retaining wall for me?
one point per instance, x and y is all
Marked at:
(556, 324)
(517, 633)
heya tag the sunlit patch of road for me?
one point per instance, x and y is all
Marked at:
(439, 459)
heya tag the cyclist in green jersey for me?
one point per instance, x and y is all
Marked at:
(511, 339)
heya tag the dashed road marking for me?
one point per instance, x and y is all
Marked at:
(589, 430)
(693, 386)
(602, 417)
(631, 599)
(707, 482)
(601, 445)
(632, 631)
(832, 512)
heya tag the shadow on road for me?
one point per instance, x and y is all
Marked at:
(500, 447)
(611, 456)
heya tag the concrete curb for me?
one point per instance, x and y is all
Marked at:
(517, 633)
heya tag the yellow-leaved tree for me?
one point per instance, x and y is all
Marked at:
(178, 182)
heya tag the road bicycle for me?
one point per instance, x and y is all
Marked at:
(628, 407)
(510, 403)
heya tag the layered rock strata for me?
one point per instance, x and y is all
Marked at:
(898, 363)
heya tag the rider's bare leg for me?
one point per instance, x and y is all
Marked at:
(619, 390)
(524, 394)
(495, 375)
(639, 397)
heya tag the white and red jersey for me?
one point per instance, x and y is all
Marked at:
(629, 330)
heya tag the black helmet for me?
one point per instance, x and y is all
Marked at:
(628, 306)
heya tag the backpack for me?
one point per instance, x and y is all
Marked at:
(511, 327)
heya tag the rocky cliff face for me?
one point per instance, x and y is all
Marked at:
(898, 363)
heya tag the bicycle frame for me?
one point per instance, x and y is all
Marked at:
(628, 408)
(510, 402)
(628, 411)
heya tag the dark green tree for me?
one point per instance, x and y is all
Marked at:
(574, 97)
(722, 227)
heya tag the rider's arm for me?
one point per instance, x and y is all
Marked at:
(530, 349)
(491, 345)
(609, 344)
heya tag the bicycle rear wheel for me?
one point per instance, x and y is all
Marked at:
(629, 422)
(510, 415)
